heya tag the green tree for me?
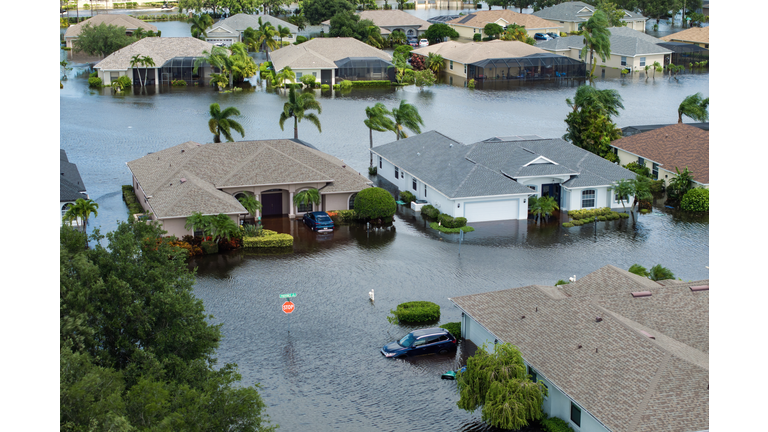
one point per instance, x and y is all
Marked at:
(406, 116)
(218, 58)
(82, 209)
(282, 32)
(318, 11)
(374, 203)
(596, 39)
(639, 270)
(300, 21)
(589, 123)
(521, 4)
(695, 200)
(612, 12)
(623, 189)
(424, 78)
(398, 37)
(250, 203)
(377, 119)
(263, 38)
(285, 74)
(492, 30)
(641, 186)
(498, 383)
(296, 107)
(221, 124)
(241, 65)
(197, 222)
(101, 39)
(694, 107)
(516, 32)
(546, 206)
(199, 25)
(144, 61)
(437, 33)
(658, 273)
(679, 185)
(307, 197)
(401, 65)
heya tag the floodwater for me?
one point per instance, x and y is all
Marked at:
(320, 367)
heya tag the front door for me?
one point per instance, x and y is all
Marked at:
(272, 204)
(553, 190)
(325, 76)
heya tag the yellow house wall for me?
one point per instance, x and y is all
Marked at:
(458, 69)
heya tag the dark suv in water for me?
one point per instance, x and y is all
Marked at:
(421, 342)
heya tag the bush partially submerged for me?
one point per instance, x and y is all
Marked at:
(453, 328)
(696, 200)
(374, 203)
(415, 312)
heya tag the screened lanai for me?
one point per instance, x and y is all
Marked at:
(182, 68)
(534, 66)
(364, 68)
(685, 53)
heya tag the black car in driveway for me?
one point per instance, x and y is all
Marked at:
(421, 342)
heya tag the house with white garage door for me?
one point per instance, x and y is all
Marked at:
(491, 180)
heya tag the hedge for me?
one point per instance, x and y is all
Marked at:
(373, 203)
(451, 222)
(589, 213)
(342, 216)
(415, 312)
(373, 83)
(268, 239)
(443, 229)
(129, 197)
(407, 197)
(696, 200)
(453, 328)
(555, 424)
(430, 211)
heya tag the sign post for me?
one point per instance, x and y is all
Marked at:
(288, 307)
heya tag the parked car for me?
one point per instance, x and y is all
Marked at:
(553, 35)
(423, 43)
(318, 221)
(413, 42)
(421, 342)
(541, 36)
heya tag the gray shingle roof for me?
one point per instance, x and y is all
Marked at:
(578, 12)
(489, 167)
(160, 49)
(624, 41)
(242, 21)
(628, 381)
(208, 168)
(71, 184)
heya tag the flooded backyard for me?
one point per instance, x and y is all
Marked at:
(320, 367)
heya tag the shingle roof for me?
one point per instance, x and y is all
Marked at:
(242, 21)
(480, 18)
(71, 184)
(678, 145)
(490, 167)
(160, 49)
(208, 168)
(322, 53)
(119, 20)
(577, 12)
(391, 18)
(624, 41)
(472, 52)
(653, 385)
(693, 34)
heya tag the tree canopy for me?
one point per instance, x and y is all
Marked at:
(493, 30)
(136, 348)
(589, 123)
(596, 39)
(102, 39)
(349, 24)
(318, 11)
(437, 33)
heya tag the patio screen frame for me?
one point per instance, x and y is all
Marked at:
(534, 66)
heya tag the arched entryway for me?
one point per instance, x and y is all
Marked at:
(351, 203)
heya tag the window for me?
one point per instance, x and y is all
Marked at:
(298, 75)
(304, 208)
(451, 65)
(314, 74)
(655, 171)
(642, 61)
(113, 76)
(465, 68)
(623, 61)
(588, 198)
(532, 373)
(575, 414)
(641, 161)
(617, 198)
(380, 162)
(414, 184)
(425, 191)
(532, 187)
(351, 203)
(397, 172)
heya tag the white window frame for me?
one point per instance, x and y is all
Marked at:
(594, 198)
(623, 61)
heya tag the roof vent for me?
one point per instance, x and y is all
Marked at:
(700, 288)
(641, 294)
(182, 150)
(598, 319)
(648, 335)
(522, 317)
(450, 145)
(183, 180)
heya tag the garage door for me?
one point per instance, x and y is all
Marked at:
(491, 210)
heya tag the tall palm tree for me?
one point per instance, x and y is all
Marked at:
(145, 61)
(378, 120)
(265, 37)
(295, 108)
(406, 116)
(607, 102)
(82, 208)
(623, 189)
(285, 74)
(135, 61)
(596, 39)
(250, 203)
(694, 107)
(218, 58)
(220, 123)
(282, 32)
(199, 24)
(306, 197)
(435, 62)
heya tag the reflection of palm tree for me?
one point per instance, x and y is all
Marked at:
(694, 107)
(295, 108)
(378, 120)
(406, 116)
(596, 39)
(220, 123)
(307, 197)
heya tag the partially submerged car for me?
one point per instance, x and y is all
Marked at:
(421, 342)
(318, 221)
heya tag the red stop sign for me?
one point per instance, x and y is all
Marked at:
(288, 307)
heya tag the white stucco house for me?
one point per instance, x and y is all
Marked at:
(617, 352)
(572, 14)
(230, 30)
(491, 180)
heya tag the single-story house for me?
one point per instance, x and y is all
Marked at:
(636, 129)
(498, 59)
(174, 59)
(389, 21)
(666, 149)
(174, 183)
(629, 49)
(230, 30)
(491, 180)
(571, 15)
(469, 25)
(71, 186)
(333, 59)
(443, 4)
(694, 35)
(118, 20)
(617, 352)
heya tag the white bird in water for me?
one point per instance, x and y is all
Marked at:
(370, 294)
(572, 278)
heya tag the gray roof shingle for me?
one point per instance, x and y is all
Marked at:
(577, 12)
(242, 21)
(71, 184)
(624, 41)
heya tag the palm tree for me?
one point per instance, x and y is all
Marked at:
(606, 102)
(435, 62)
(286, 74)
(306, 197)
(378, 120)
(295, 108)
(623, 190)
(398, 37)
(250, 203)
(82, 208)
(144, 61)
(406, 116)
(218, 58)
(680, 184)
(658, 273)
(223, 227)
(135, 60)
(596, 39)
(199, 24)
(220, 123)
(282, 32)
(657, 67)
(373, 36)
(694, 107)
(197, 222)
(264, 36)
(641, 186)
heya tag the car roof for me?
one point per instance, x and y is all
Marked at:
(429, 331)
(320, 213)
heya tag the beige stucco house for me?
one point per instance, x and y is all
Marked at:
(694, 35)
(173, 57)
(118, 20)
(442, 4)
(389, 21)
(230, 30)
(469, 25)
(174, 183)
(570, 15)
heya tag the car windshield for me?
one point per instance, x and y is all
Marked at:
(323, 219)
(407, 341)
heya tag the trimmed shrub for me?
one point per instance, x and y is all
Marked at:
(300, 39)
(445, 230)
(644, 211)
(375, 202)
(372, 83)
(567, 224)
(602, 218)
(345, 85)
(342, 216)
(95, 82)
(415, 312)
(407, 197)
(129, 197)
(268, 239)
(696, 200)
(308, 80)
(179, 83)
(638, 169)
(577, 223)
(325, 87)
(430, 211)
(477, 37)
(561, 282)
(453, 328)
(209, 247)
(624, 215)
(555, 424)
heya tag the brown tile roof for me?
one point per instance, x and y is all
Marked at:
(480, 18)
(119, 20)
(472, 52)
(678, 145)
(693, 34)
(628, 381)
(160, 49)
(211, 167)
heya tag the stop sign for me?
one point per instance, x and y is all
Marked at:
(288, 307)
